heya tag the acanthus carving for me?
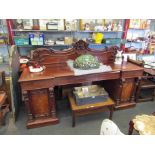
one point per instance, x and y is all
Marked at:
(80, 45)
(46, 56)
(40, 52)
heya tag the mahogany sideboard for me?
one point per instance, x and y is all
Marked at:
(38, 88)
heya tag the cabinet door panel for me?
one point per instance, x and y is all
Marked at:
(40, 102)
(128, 87)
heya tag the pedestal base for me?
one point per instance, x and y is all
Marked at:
(41, 122)
(125, 106)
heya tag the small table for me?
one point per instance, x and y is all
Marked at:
(90, 108)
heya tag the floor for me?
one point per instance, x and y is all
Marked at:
(88, 125)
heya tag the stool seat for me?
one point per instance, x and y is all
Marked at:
(143, 124)
(90, 108)
(146, 83)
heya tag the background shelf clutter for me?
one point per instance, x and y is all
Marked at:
(62, 33)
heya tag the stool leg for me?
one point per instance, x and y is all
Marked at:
(73, 119)
(111, 109)
(131, 127)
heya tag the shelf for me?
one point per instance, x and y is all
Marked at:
(138, 29)
(129, 42)
(61, 45)
(80, 31)
(100, 31)
(28, 46)
(15, 30)
(105, 44)
(3, 45)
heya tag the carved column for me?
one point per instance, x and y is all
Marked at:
(118, 100)
(52, 101)
(137, 91)
(137, 81)
(27, 104)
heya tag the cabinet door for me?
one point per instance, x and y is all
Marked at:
(39, 103)
(127, 90)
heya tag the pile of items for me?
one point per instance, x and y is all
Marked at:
(89, 94)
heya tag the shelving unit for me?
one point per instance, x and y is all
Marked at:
(54, 34)
(137, 32)
(4, 46)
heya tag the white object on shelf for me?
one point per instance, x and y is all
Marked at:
(58, 42)
(27, 24)
(99, 28)
(109, 27)
(35, 70)
(147, 66)
(42, 23)
(119, 27)
(49, 42)
(130, 55)
(148, 58)
(60, 24)
(23, 60)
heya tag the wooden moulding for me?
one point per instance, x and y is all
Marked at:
(46, 56)
(41, 122)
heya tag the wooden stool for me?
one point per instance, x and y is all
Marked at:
(145, 84)
(132, 124)
(4, 106)
(90, 108)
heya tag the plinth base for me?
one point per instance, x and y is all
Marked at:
(41, 122)
(125, 106)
